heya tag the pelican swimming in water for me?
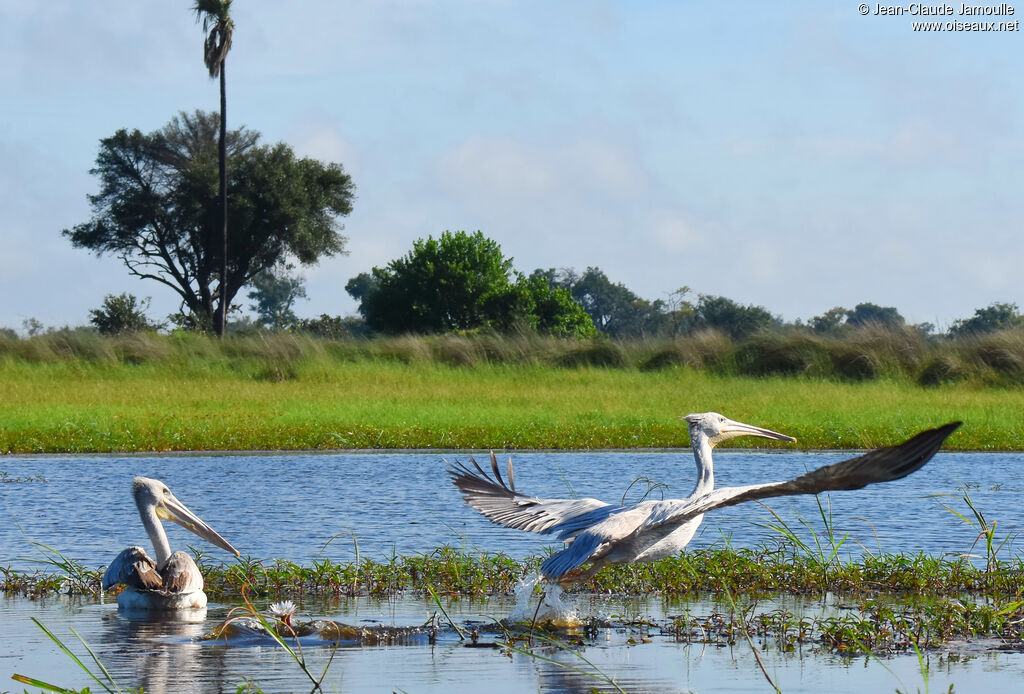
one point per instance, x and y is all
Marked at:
(602, 533)
(172, 581)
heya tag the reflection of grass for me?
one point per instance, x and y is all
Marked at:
(216, 401)
(107, 682)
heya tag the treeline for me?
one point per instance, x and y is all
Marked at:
(462, 282)
(461, 285)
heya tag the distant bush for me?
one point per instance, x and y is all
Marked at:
(874, 351)
(601, 353)
(332, 327)
(708, 350)
(1002, 352)
(122, 314)
(943, 369)
(784, 354)
(992, 318)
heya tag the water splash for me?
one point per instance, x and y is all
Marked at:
(555, 608)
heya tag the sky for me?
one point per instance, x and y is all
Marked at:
(796, 156)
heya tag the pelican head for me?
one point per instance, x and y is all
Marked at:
(716, 428)
(154, 496)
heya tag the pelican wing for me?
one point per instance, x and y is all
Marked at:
(181, 575)
(133, 568)
(629, 532)
(880, 465)
(502, 504)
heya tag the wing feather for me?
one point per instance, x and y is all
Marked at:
(133, 568)
(181, 575)
(880, 465)
(503, 505)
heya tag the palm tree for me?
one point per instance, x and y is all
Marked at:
(216, 18)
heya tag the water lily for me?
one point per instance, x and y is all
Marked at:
(283, 610)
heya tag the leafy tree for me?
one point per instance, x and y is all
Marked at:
(157, 210)
(275, 291)
(868, 313)
(610, 304)
(333, 327)
(216, 18)
(442, 285)
(360, 287)
(32, 327)
(614, 309)
(996, 316)
(533, 303)
(122, 314)
(460, 281)
(735, 320)
(829, 321)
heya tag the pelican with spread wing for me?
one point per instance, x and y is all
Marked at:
(602, 533)
(171, 581)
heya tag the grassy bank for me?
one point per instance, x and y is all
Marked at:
(150, 393)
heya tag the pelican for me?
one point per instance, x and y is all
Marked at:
(172, 581)
(602, 533)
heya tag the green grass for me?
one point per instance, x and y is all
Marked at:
(214, 402)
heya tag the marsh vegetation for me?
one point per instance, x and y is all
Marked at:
(76, 392)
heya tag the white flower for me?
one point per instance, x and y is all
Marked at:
(285, 608)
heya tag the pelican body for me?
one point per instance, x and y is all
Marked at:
(172, 581)
(602, 533)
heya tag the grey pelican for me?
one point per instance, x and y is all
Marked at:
(602, 533)
(172, 581)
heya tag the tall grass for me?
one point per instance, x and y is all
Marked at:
(81, 392)
(863, 353)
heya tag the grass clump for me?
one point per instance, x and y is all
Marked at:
(600, 353)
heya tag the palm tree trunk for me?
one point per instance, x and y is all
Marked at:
(222, 319)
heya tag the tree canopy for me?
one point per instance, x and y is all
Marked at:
(274, 293)
(997, 316)
(868, 313)
(457, 282)
(124, 313)
(735, 320)
(158, 208)
(615, 309)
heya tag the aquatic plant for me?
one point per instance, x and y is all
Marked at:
(108, 683)
(283, 613)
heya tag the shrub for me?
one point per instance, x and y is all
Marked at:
(874, 350)
(600, 353)
(1003, 352)
(122, 314)
(456, 350)
(786, 354)
(942, 369)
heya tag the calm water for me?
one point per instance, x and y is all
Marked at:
(290, 506)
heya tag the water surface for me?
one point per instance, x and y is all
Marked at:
(295, 506)
(303, 507)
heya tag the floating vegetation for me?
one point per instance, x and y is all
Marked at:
(885, 603)
(8, 479)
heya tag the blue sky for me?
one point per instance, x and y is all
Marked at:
(797, 156)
